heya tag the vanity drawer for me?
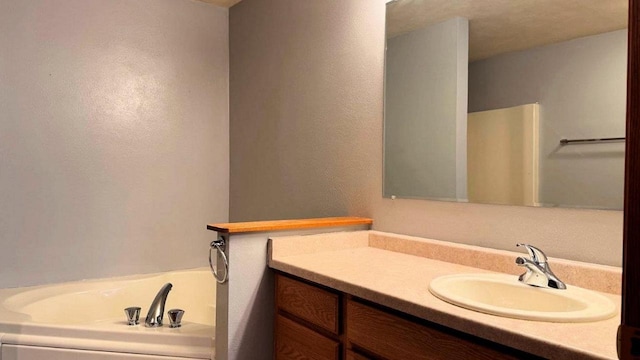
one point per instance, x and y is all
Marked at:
(294, 341)
(315, 305)
(393, 337)
(355, 356)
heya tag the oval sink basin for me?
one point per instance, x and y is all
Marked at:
(504, 295)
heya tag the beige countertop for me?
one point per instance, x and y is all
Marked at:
(378, 267)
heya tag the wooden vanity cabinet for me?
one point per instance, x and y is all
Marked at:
(296, 341)
(307, 323)
(316, 322)
(388, 334)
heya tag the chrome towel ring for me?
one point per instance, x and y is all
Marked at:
(219, 245)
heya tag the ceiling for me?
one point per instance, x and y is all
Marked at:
(500, 26)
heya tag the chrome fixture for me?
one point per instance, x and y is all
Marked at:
(133, 315)
(175, 317)
(220, 247)
(538, 271)
(156, 311)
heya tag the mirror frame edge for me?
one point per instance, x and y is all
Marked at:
(629, 329)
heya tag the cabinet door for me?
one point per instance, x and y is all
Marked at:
(396, 338)
(355, 356)
(21, 352)
(296, 342)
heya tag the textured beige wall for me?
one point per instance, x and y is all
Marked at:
(306, 136)
(113, 136)
(305, 107)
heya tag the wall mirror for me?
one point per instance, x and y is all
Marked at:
(506, 102)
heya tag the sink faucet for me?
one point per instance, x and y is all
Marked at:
(538, 271)
(156, 311)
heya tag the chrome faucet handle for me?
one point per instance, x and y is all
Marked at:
(133, 315)
(537, 255)
(538, 272)
(175, 317)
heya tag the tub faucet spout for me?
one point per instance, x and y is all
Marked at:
(156, 311)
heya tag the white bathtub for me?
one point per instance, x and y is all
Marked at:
(86, 320)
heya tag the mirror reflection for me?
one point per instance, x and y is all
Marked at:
(479, 95)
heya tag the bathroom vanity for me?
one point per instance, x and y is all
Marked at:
(365, 295)
(320, 323)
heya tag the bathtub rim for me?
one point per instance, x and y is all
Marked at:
(193, 340)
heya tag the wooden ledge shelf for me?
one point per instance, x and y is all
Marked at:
(275, 225)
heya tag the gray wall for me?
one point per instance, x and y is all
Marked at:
(306, 136)
(305, 104)
(426, 72)
(113, 136)
(581, 87)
